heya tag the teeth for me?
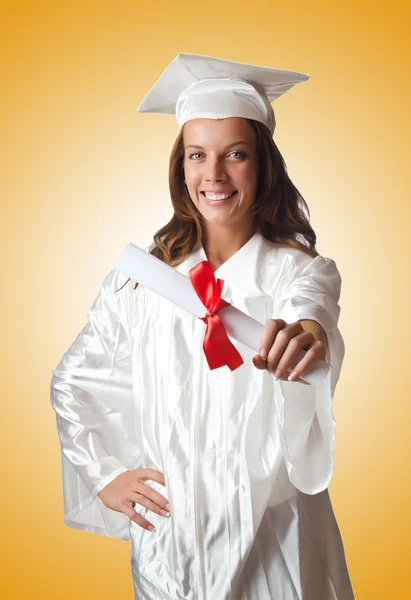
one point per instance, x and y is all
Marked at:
(218, 196)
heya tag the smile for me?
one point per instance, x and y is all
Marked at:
(218, 197)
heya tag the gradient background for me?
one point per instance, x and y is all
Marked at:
(83, 174)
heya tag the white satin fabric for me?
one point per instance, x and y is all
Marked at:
(247, 460)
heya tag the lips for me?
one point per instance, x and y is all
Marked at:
(215, 202)
(230, 192)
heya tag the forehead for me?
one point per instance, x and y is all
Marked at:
(215, 131)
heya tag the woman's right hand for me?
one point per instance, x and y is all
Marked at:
(129, 489)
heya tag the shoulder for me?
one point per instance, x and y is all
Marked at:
(119, 294)
(296, 255)
(117, 299)
(292, 244)
(115, 282)
(283, 266)
(283, 256)
(290, 247)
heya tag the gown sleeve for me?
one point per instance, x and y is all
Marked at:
(311, 290)
(92, 396)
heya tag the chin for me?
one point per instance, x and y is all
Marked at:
(219, 220)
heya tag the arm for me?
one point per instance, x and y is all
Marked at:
(318, 332)
(92, 396)
(310, 295)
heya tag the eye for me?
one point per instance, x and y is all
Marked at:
(242, 154)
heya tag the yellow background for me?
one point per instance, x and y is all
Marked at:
(83, 174)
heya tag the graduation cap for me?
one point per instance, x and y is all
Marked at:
(198, 86)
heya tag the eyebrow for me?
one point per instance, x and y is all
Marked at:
(229, 146)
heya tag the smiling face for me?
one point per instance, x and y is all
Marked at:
(220, 159)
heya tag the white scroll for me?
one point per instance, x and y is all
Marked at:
(157, 276)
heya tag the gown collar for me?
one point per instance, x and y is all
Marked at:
(243, 270)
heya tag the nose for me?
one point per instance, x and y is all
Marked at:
(215, 171)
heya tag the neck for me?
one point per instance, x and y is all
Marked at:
(220, 243)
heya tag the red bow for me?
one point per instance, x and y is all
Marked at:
(217, 347)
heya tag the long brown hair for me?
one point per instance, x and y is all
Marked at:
(279, 211)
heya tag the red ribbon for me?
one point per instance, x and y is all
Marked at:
(218, 349)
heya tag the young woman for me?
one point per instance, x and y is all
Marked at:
(219, 477)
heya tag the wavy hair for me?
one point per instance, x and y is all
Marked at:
(279, 211)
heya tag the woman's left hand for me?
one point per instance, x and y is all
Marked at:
(280, 343)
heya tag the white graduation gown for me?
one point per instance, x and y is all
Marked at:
(246, 459)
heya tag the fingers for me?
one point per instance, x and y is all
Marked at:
(141, 493)
(147, 503)
(157, 502)
(280, 345)
(149, 491)
(148, 473)
(284, 351)
(130, 488)
(131, 513)
(317, 350)
(270, 330)
(153, 496)
(259, 362)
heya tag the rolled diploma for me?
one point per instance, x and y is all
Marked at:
(157, 276)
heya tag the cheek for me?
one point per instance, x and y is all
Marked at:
(253, 175)
(190, 177)
(248, 176)
(191, 184)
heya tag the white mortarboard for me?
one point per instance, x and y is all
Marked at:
(197, 86)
